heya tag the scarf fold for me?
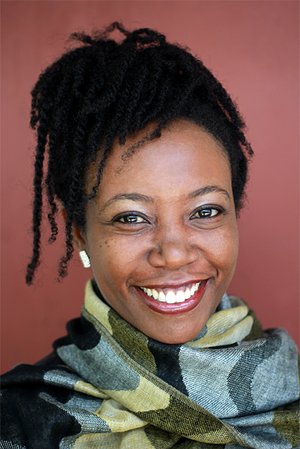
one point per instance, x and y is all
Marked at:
(234, 386)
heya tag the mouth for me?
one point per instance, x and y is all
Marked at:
(173, 299)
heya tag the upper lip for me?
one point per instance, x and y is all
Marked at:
(173, 285)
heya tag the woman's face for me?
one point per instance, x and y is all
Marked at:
(162, 234)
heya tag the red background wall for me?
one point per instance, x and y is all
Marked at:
(253, 48)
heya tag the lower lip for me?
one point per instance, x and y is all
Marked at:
(176, 308)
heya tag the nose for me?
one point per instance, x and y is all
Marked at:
(172, 250)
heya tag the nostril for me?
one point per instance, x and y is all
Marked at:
(172, 254)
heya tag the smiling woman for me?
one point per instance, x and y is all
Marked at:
(147, 158)
(163, 242)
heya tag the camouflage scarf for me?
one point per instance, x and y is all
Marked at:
(234, 386)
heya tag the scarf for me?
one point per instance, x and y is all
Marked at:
(112, 387)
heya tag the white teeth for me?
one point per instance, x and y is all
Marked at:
(172, 296)
(187, 293)
(161, 296)
(154, 294)
(180, 296)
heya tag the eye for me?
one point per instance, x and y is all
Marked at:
(207, 212)
(130, 218)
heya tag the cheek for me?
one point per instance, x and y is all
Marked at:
(221, 249)
(114, 259)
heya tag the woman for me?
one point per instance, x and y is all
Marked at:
(147, 156)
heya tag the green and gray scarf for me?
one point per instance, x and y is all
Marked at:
(109, 386)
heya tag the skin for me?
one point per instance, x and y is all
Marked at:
(167, 240)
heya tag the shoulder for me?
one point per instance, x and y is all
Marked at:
(31, 410)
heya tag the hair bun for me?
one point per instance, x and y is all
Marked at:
(141, 38)
(145, 37)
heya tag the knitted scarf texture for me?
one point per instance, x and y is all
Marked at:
(110, 386)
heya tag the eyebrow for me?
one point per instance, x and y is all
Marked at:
(127, 196)
(208, 189)
(147, 199)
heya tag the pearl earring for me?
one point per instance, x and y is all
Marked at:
(84, 259)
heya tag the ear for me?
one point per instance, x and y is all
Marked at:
(78, 235)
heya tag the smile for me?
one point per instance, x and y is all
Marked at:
(172, 296)
(171, 299)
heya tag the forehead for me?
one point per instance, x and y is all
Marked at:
(185, 154)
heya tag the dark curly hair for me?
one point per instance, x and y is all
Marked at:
(105, 90)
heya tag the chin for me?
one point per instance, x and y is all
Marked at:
(177, 337)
